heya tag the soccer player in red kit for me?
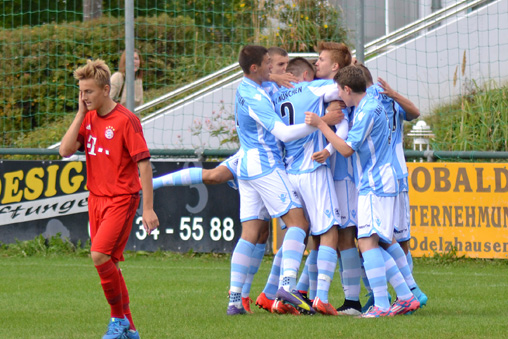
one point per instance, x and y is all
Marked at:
(115, 148)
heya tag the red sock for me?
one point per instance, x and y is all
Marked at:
(125, 301)
(110, 281)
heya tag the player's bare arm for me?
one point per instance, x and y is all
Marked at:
(283, 80)
(69, 144)
(334, 113)
(150, 219)
(412, 112)
(338, 143)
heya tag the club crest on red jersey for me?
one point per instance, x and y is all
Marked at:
(110, 132)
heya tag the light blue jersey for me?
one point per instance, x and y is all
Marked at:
(270, 87)
(291, 104)
(342, 168)
(369, 137)
(260, 151)
(396, 116)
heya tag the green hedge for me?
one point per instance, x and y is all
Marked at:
(37, 89)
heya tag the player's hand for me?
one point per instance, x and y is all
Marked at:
(321, 156)
(150, 221)
(334, 114)
(284, 80)
(312, 119)
(388, 91)
(82, 106)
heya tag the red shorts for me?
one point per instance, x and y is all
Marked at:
(111, 223)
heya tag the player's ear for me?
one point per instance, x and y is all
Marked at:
(106, 90)
(253, 68)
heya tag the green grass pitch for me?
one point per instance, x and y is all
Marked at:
(185, 296)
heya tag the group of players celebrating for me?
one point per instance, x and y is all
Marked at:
(321, 149)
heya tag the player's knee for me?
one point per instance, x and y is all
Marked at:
(99, 258)
(216, 176)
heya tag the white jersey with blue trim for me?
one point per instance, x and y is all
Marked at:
(342, 167)
(396, 116)
(370, 139)
(260, 152)
(291, 104)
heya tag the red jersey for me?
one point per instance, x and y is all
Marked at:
(113, 145)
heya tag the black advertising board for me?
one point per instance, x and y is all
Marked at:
(50, 197)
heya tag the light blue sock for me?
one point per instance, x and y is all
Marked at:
(292, 252)
(352, 273)
(272, 284)
(395, 278)
(303, 281)
(255, 262)
(240, 262)
(313, 274)
(400, 258)
(376, 273)
(365, 280)
(409, 258)
(326, 263)
(185, 177)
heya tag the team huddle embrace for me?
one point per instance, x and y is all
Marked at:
(321, 149)
(337, 175)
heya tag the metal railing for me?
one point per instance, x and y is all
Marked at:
(371, 48)
(379, 45)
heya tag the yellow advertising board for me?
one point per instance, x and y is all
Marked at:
(459, 206)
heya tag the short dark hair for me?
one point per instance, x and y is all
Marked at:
(352, 77)
(298, 65)
(251, 55)
(277, 50)
(366, 73)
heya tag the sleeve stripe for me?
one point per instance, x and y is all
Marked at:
(132, 118)
(141, 156)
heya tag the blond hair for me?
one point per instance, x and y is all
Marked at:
(94, 69)
(340, 53)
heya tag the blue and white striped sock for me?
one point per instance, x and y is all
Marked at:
(326, 263)
(352, 273)
(365, 280)
(409, 258)
(185, 177)
(292, 252)
(272, 284)
(395, 278)
(399, 256)
(240, 262)
(313, 274)
(376, 273)
(255, 262)
(303, 281)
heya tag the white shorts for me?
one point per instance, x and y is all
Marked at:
(347, 196)
(271, 195)
(319, 199)
(402, 223)
(376, 215)
(231, 164)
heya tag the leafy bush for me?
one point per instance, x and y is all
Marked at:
(476, 122)
(179, 43)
